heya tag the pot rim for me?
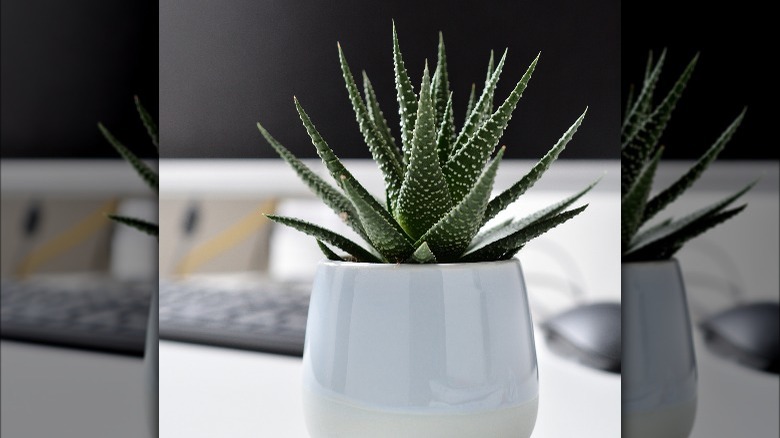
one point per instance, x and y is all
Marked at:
(367, 265)
(672, 260)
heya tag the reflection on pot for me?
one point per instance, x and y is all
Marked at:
(419, 351)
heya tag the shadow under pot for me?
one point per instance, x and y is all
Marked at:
(659, 374)
(422, 351)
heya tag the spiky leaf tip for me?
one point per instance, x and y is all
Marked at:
(148, 121)
(378, 117)
(424, 198)
(381, 151)
(407, 99)
(441, 84)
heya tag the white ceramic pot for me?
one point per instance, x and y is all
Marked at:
(419, 351)
(659, 366)
(151, 370)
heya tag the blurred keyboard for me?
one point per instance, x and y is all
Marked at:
(256, 315)
(97, 314)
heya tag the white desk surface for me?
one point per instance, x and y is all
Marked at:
(207, 392)
(64, 393)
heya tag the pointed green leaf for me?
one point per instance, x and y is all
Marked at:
(476, 117)
(646, 231)
(441, 84)
(666, 247)
(632, 205)
(629, 100)
(145, 172)
(327, 193)
(510, 244)
(328, 236)
(407, 99)
(465, 162)
(666, 197)
(424, 198)
(378, 117)
(386, 235)
(471, 102)
(383, 153)
(151, 127)
(422, 254)
(340, 174)
(329, 254)
(445, 136)
(486, 235)
(661, 233)
(487, 108)
(453, 233)
(504, 229)
(640, 145)
(138, 224)
(510, 195)
(646, 105)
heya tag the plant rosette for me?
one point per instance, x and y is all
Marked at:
(424, 331)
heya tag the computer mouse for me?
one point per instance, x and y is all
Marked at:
(748, 334)
(588, 334)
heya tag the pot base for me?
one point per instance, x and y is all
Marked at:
(328, 418)
(672, 422)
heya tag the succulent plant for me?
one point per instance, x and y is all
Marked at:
(437, 184)
(145, 172)
(643, 126)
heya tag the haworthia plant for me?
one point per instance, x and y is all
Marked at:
(146, 173)
(643, 126)
(438, 179)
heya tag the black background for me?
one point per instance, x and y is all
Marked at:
(67, 65)
(737, 43)
(226, 65)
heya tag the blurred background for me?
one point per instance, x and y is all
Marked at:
(76, 288)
